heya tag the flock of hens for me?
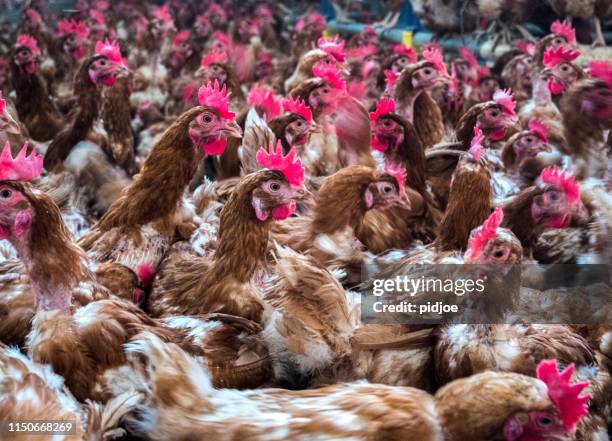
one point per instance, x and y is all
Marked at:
(189, 193)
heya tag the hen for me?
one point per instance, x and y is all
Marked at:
(34, 105)
(223, 282)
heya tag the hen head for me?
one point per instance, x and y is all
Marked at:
(596, 94)
(491, 244)
(32, 21)
(7, 123)
(73, 35)
(16, 211)
(386, 190)
(560, 77)
(202, 27)
(325, 97)
(298, 131)
(210, 130)
(558, 423)
(27, 53)
(280, 184)
(181, 49)
(106, 65)
(399, 63)
(528, 144)
(424, 76)
(558, 202)
(497, 116)
(162, 24)
(213, 67)
(486, 88)
(247, 29)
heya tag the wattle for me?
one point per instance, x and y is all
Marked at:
(556, 87)
(215, 147)
(282, 212)
(497, 134)
(377, 145)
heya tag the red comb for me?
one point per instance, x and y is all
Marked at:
(434, 56)
(383, 107)
(101, 5)
(396, 170)
(316, 18)
(483, 71)
(180, 37)
(222, 38)
(2, 103)
(485, 232)
(565, 30)
(329, 74)
(21, 168)
(274, 160)
(110, 50)
(98, 17)
(216, 97)
(552, 176)
(369, 29)
(29, 42)
(505, 99)
(552, 57)
(78, 28)
(163, 14)
(215, 8)
(407, 52)
(527, 47)
(214, 57)
(564, 395)
(469, 56)
(334, 47)
(539, 127)
(264, 97)
(391, 78)
(299, 107)
(33, 15)
(476, 148)
(601, 70)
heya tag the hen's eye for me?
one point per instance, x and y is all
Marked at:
(275, 186)
(494, 113)
(544, 421)
(529, 140)
(207, 119)
(5, 194)
(387, 123)
(387, 189)
(102, 62)
(299, 124)
(427, 71)
(554, 196)
(498, 254)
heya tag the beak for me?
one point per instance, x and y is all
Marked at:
(314, 128)
(300, 193)
(232, 130)
(404, 203)
(11, 125)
